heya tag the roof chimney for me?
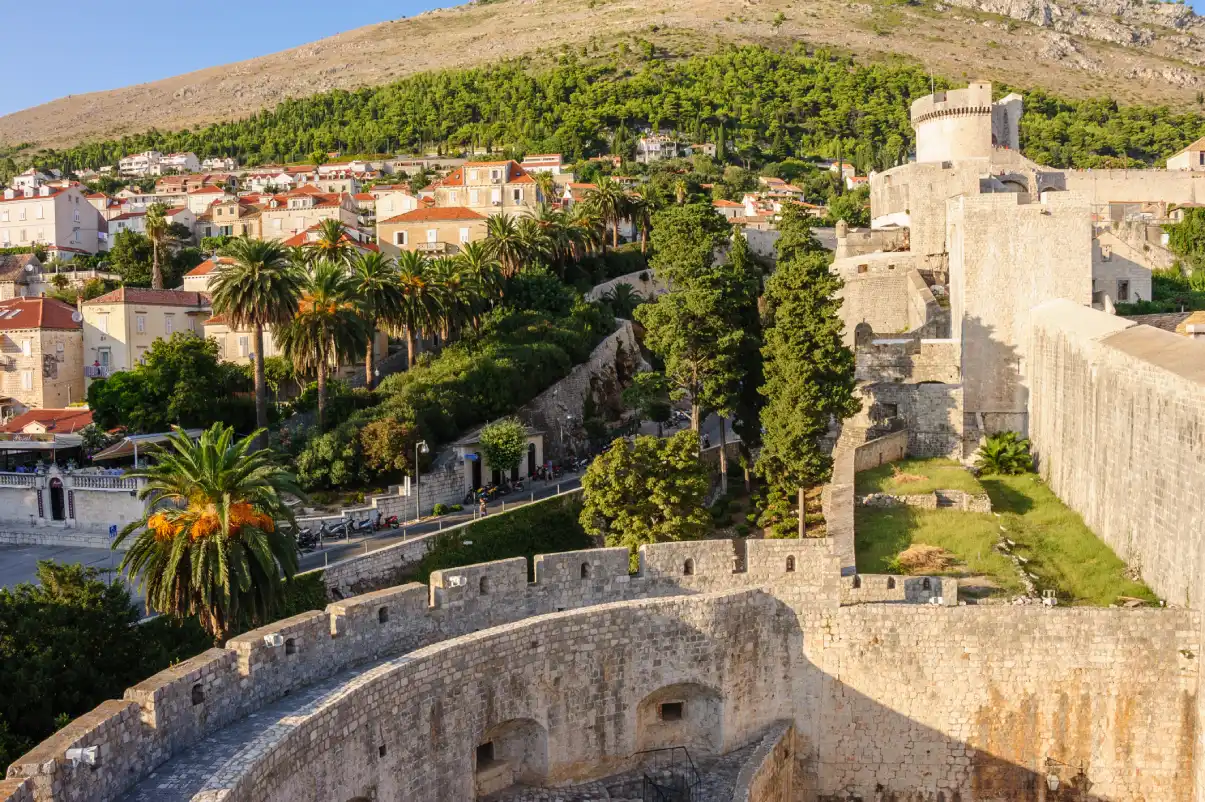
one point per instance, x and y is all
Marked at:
(79, 303)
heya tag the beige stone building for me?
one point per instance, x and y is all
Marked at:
(41, 354)
(283, 216)
(1191, 158)
(232, 217)
(434, 231)
(392, 200)
(237, 345)
(489, 188)
(18, 272)
(56, 217)
(121, 326)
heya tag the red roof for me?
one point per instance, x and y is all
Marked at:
(127, 216)
(141, 295)
(37, 313)
(299, 240)
(514, 173)
(208, 266)
(364, 196)
(438, 213)
(20, 196)
(727, 204)
(207, 191)
(54, 420)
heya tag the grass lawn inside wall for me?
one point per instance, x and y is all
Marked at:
(1063, 553)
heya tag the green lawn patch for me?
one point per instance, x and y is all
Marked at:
(939, 474)
(1063, 553)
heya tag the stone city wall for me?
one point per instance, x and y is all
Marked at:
(1102, 187)
(926, 317)
(875, 291)
(909, 360)
(882, 588)
(859, 241)
(611, 365)
(946, 499)
(172, 710)
(1117, 420)
(932, 414)
(1005, 703)
(1001, 265)
(769, 774)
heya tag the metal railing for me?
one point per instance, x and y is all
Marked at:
(670, 775)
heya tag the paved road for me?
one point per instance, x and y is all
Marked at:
(19, 563)
(342, 549)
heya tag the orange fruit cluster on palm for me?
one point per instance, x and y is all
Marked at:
(203, 521)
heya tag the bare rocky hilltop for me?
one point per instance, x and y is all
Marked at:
(1134, 51)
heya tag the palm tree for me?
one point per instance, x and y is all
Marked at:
(457, 292)
(547, 186)
(421, 299)
(216, 537)
(680, 191)
(502, 236)
(159, 231)
(258, 289)
(641, 210)
(533, 242)
(558, 236)
(483, 275)
(588, 230)
(328, 327)
(333, 243)
(610, 201)
(623, 299)
(377, 285)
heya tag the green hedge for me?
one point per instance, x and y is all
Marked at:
(545, 527)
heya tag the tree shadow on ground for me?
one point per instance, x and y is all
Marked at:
(1004, 498)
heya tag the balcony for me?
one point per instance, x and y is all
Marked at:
(97, 371)
(432, 247)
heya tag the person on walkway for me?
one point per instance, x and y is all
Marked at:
(481, 506)
(706, 441)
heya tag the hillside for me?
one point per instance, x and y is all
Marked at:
(1145, 53)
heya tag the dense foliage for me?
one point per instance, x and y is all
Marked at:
(647, 490)
(69, 642)
(180, 382)
(1004, 453)
(503, 443)
(755, 103)
(544, 528)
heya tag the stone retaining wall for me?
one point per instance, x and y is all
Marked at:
(952, 499)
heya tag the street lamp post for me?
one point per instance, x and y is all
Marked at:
(421, 445)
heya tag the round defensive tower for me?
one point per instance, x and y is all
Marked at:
(954, 125)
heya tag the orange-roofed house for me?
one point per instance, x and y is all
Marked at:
(199, 278)
(436, 231)
(199, 200)
(357, 239)
(120, 326)
(41, 354)
(489, 188)
(1191, 158)
(283, 216)
(729, 209)
(390, 200)
(233, 217)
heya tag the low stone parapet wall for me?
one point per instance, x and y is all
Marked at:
(882, 588)
(938, 499)
(769, 774)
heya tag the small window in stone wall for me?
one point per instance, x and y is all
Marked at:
(485, 754)
(484, 585)
(670, 711)
(688, 568)
(863, 268)
(383, 615)
(857, 581)
(891, 583)
(585, 570)
(790, 563)
(290, 646)
(926, 584)
(198, 694)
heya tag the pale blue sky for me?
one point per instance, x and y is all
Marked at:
(134, 41)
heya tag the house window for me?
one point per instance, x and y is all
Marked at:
(23, 237)
(389, 204)
(495, 175)
(496, 196)
(27, 380)
(1123, 290)
(243, 349)
(22, 215)
(102, 324)
(40, 213)
(169, 323)
(432, 235)
(276, 224)
(474, 197)
(517, 194)
(399, 238)
(453, 196)
(140, 322)
(27, 347)
(3, 217)
(464, 236)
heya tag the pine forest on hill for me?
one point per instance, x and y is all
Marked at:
(768, 105)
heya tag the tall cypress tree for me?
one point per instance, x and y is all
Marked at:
(809, 371)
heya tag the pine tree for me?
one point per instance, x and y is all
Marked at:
(809, 371)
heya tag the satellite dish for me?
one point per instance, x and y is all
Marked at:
(29, 268)
(76, 316)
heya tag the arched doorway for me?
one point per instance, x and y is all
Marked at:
(531, 459)
(514, 751)
(477, 471)
(687, 714)
(57, 505)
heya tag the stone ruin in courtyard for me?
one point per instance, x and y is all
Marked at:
(770, 670)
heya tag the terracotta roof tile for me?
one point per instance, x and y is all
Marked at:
(12, 266)
(36, 313)
(141, 295)
(54, 420)
(437, 213)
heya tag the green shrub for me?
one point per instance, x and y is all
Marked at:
(542, 528)
(1005, 453)
(456, 507)
(742, 530)
(440, 509)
